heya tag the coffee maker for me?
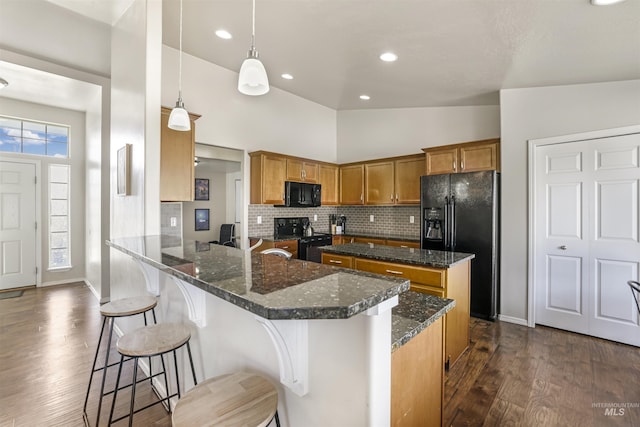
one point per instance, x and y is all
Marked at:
(342, 221)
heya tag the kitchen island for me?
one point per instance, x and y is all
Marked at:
(325, 332)
(441, 273)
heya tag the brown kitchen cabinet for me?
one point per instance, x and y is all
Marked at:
(465, 157)
(337, 260)
(403, 243)
(368, 240)
(452, 282)
(352, 184)
(268, 174)
(417, 380)
(290, 246)
(395, 181)
(302, 171)
(329, 176)
(177, 152)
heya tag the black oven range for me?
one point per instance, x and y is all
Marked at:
(294, 228)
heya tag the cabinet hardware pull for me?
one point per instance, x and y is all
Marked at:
(335, 261)
(284, 247)
(404, 246)
(394, 272)
(454, 165)
(391, 197)
(361, 197)
(396, 197)
(462, 165)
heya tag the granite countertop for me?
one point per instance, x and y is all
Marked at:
(267, 285)
(386, 236)
(421, 257)
(414, 313)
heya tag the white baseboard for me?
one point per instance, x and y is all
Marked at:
(62, 282)
(515, 320)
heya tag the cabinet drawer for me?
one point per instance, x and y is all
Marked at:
(403, 244)
(289, 246)
(439, 292)
(337, 260)
(417, 275)
(368, 240)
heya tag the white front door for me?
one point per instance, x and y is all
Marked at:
(587, 237)
(17, 224)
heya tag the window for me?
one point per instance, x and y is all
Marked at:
(28, 137)
(59, 251)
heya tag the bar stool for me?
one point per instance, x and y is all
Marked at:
(110, 311)
(234, 399)
(149, 341)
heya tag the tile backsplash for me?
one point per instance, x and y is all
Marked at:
(387, 219)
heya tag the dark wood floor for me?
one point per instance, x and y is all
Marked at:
(518, 376)
(511, 375)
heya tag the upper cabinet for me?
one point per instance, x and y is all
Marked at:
(329, 180)
(352, 184)
(302, 171)
(466, 157)
(395, 181)
(268, 174)
(177, 151)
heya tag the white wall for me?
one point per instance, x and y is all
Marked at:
(46, 31)
(277, 121)
(76, 121)
(373, 134)
(216, 205)
(539, 113)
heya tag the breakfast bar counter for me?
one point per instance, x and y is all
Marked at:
(327, 333)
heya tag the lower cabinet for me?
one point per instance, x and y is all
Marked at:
(452, 283)
(288, 245)
(417, 380)
(337, 260)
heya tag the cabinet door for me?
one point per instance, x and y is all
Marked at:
(301, 171)
(268, 173)
(479, 157)
(337, 260)
(368, 240)
(407, 180)
(379, 184)
(403, 244)
(294, 170)
(328, 179)
(177, 152)
(352, 185)
(290, 246)
(441, 161)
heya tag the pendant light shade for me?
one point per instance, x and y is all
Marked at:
(179, 118)
(253, 78)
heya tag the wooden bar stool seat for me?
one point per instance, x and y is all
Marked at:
(110, 311)
(238, 399)
(150, 341)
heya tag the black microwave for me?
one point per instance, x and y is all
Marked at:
(302, 194)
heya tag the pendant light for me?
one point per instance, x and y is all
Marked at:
(179, 118)
(253, 78)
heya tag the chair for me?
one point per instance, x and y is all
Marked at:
(227, 236)
(110, 311)
(255, 245)
(236, 399)
(149, 341)
(277, 251)
(635, 291)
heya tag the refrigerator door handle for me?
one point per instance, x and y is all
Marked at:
(452, 220)
(445, 232)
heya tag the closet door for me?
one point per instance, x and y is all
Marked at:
(587, 237)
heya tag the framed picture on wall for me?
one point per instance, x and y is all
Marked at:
(202, 189)
(202, 219)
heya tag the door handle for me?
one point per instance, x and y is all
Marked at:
(394, 272)
(562, 248)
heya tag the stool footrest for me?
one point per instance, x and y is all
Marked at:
(168, 405)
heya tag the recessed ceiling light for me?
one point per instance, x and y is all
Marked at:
(223, 34)
(605, 2)
(3, 83)
(389, 57)
(365, 97)
(287, 76)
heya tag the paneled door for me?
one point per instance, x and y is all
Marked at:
(586, 236)
(17, 225)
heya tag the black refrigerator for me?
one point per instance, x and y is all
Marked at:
(460, 212)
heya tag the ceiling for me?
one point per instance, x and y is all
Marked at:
(451, 52)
